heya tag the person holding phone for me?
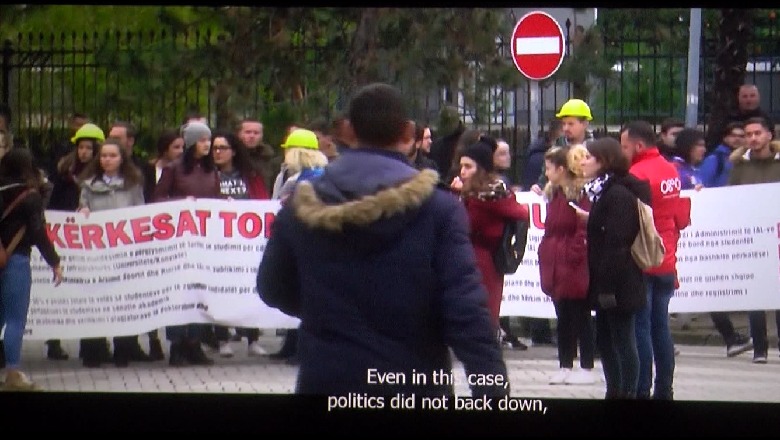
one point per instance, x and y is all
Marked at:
(616, 287)
(563, 268)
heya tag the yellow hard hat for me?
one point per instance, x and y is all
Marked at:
(575, 107)
(301, 138)
(88, 131)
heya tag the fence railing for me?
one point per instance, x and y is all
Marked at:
(46, 77)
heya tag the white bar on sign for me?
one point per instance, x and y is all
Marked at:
(537, 45)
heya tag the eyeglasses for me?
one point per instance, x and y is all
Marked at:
(221, 147)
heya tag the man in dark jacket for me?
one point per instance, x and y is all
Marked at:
(377, 264)
(749, 106)
(418, 156)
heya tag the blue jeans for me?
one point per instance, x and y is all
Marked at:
(654, 339)
(15, 285)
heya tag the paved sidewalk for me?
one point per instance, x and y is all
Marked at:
(703, 373)
(697, 328)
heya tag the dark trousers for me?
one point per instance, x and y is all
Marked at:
(180, 333)
(574, 325)
(506, 327)
(223, 335)
(724, 326)
(123, 345)
(540, 330)
(758, 330)
(616, 338)
(94, 349)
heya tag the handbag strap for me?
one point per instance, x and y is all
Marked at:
(16, 202)
(16, 240)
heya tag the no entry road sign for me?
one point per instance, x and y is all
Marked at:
(538, 45)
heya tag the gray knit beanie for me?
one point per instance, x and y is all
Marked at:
(193, 131)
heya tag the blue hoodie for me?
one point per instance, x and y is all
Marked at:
(377, 264)
(708, 170)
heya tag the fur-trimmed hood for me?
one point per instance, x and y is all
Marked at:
(742, 154)
(572, 190)
(371, 194)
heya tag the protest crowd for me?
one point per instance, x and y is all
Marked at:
(414, 220)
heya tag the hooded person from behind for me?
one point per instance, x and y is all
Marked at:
(377, 264)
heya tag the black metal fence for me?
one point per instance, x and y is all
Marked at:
(47, 77)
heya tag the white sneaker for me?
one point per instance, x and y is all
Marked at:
(256, 350)
(581, 377)
(559, 378)
(224, 349)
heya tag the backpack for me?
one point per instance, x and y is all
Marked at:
(5, 252)
(511, 249)
(648, 248)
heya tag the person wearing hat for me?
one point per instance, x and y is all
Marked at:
(65, 197)
(193, 175)
(303, 161)
(575, 117)
(490, 204)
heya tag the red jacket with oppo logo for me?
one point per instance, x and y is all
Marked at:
(671, 212)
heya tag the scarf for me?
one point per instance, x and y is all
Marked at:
(595, 187)
(496, 190)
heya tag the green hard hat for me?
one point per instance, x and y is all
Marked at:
(88, 131)
(301, 138)
(575, 107)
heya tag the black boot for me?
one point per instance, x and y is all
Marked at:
(55, 351)
(209, 337)
(155, 349)
(90, 351)
(134, 351)
(177, 358)
(516, 343)
(195, 355)
(121, 353)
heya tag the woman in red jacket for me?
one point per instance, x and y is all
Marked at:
(563, 267)
(490, 204)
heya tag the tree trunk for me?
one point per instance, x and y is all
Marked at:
(225, 116)
(730, 65)
(362, 56)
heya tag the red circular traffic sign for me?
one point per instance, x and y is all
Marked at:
(538, 45)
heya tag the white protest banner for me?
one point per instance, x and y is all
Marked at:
(131, 270)
(523, 294)
(728, 258)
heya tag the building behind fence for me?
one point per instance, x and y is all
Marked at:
(47, 77)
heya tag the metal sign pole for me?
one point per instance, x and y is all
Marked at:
(692, 94)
